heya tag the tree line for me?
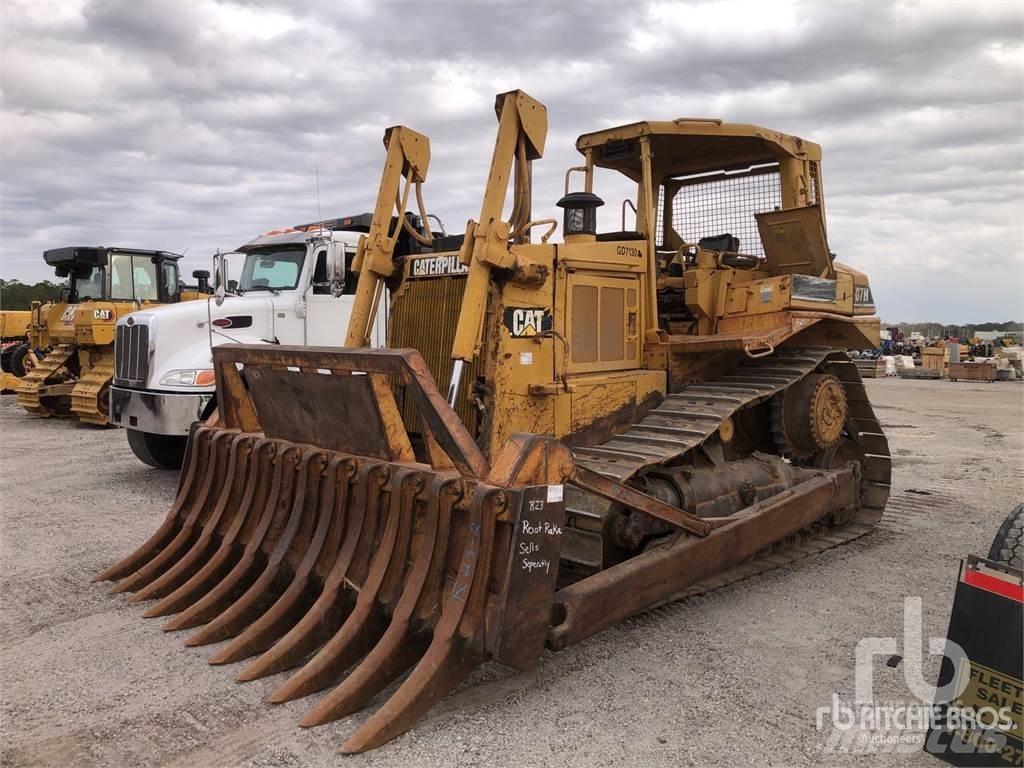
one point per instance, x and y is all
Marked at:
(955, 330)
(15, 294)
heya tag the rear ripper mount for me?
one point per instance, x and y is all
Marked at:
(307, 530)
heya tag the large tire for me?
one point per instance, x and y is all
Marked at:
(1008, 545)
(18, 366)
(160, 451)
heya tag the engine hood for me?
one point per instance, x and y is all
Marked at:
(180, 337)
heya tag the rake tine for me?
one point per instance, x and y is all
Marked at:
(367, 621)
(275, 576)
(336, 518)
(253, 559)
(192, 527)
(302, 591)
(195, 463)
(255, 481)
(251, 529)
(399, 647)
(457, 646)
(335, 602)
(191, 561)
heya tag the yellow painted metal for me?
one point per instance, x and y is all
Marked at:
(408, 157)
(522, 131)
(73, 378)
(570, 335)
(14, 324)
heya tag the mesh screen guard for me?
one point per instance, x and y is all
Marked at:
(712, 204)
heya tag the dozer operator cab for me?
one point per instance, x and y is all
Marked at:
(117, 274)
(734, 219)
(103, 284)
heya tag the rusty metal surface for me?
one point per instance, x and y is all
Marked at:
(327, 563)
(239, 408)
(654, 576)
(335, 412)
(601, 486)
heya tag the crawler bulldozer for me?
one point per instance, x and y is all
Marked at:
(558, 436)
(14, 348)
(73, 379)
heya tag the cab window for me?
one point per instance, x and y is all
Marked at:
(170, 270)
(87, 285)
(133, 277)
(321, 285)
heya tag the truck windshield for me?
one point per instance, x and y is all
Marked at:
(272, 269)
(87, 285)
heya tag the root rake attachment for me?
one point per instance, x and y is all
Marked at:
(307, 535)
(362, 561)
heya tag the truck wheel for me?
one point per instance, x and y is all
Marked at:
(1008, 545)
(20, 366)
(160, 451)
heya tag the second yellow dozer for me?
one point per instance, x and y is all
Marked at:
(631, 417)
(73, 379)
(14, 347)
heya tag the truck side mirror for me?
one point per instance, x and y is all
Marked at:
(220, 269)
(202, 277)
(336, 268)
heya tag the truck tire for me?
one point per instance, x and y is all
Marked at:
(1008, 545)
(160, 451)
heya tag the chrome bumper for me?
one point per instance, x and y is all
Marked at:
(158, 413)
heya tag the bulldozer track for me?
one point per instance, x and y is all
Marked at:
(87, 398)
(695, 413)
(28, 391)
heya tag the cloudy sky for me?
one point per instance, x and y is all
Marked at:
(193, 124)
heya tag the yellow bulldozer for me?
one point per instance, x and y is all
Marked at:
(14, 348)
(559, 436)
(73, 379)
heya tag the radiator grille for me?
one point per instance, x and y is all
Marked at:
(131, 353)
(424, 318)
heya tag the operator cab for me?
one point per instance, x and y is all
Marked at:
(738, 201)
(96, 273)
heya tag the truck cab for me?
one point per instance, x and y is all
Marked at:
(287, 286)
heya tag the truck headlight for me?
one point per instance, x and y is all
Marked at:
(203, 377)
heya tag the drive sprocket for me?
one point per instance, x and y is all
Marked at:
(809, 416)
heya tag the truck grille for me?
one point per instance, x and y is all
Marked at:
(131, 353)
(424, 318)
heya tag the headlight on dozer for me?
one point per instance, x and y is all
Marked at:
(188, 378)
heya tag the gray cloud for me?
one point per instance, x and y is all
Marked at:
(196, 125)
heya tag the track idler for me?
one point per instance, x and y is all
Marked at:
(349, 572)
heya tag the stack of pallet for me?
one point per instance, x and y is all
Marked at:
(972, 371)
(920, 373)
(870, 368)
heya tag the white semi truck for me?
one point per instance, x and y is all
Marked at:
(291, 286)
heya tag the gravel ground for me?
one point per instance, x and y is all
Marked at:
(733, 678)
